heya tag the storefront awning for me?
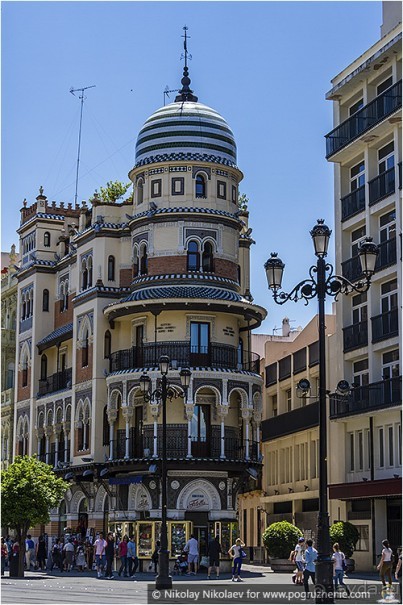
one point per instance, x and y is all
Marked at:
(366, 489)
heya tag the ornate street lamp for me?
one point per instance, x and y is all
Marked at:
(161, 394)
(322, 282)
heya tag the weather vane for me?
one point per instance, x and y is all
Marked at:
(186, 55)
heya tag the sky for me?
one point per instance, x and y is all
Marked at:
(265, 66)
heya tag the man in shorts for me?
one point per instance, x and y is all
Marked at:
(192, 550)
(214, 551)
(100, 555)
(299, 560)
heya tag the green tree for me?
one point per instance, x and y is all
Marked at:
(112, 192)
(346, 534)
(29, 489)
(280, 539)
(243, 201)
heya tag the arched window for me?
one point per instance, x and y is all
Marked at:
(80, 435)
(135, 262)
(143, 260)
(207, 257)
(25, 372)
(24, 308)
(84, 275)
(107, 344)
(46, 239)
(239, 274)
(140, 191)
(105, 428)
(193, 256)
(111, 268)
(89, 271)
(45, 300)
(44, 367)
(84, 350)
(200, 186)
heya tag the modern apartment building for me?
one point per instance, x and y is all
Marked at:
(103, 292)
(365, 148)
(290, 429)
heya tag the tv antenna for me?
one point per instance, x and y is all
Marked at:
(81, 97)
(167, 91)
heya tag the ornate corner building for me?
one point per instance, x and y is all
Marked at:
(365, 147)
(102, 294)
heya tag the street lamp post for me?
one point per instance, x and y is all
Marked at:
(161, 394)
(322, 282)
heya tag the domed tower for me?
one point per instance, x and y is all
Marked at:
(190, 300)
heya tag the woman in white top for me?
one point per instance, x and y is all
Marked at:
(385, 564)
(338, 558)
(236, 553)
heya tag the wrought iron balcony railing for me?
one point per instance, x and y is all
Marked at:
(385, 326)
(374, 396)
(387, 254)
(382, 186)
(353, 203)
(55, 382)
(364, 119)
(355, 336)
(182, 354)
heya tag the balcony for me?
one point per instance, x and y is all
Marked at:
(382, 186)
(375, 396)
(181, 355)
(387, 254)
(55, 382)
(365, 119)
(385, 326)
(353, 203)
(351, 269)
(355, 336)
(177, 446)
(300, 419)
(26, 324)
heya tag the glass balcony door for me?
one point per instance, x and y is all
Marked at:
(199, 344)
(200, 431)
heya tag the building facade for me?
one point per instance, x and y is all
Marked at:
(103, 292)
(365, 147)
(9, 262)
(290, 429)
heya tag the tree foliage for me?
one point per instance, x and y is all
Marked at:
(346, 534)
(29, 489)
(243, 201)
(112, 192)
(280, 539)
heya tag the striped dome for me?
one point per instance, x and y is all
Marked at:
(186, 131)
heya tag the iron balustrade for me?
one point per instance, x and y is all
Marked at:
(374, 396)
(387, 254)
(385, 325)
(364, 119)
(353, 203)
(355, 336)
(381, 186)
(55, 382)
(351, 269)
(217, 355)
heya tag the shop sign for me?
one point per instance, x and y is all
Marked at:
(197, 501)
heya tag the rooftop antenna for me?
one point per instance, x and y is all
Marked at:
(81, 97)
(167, 91)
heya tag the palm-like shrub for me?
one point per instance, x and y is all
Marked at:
(280, 539)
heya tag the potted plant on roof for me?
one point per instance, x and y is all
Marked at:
(347, 535)
(279, 540)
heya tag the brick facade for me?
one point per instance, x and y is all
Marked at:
(84, 373)
(125, 277)
(23, 392)
(178, 264)
(64, 317)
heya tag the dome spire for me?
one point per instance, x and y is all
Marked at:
(185, 94)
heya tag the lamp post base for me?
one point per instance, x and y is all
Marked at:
(324, 587)
(163, 580)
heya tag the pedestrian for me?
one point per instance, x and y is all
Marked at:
(398, 571)
(110, 554)
(297, 556)
(4, 556)
(9, 544)
(213, 551)
(29, 551)
(311, 554)
(100, 557)
(41, 553)
(155, 556)
(89, 554)
(57, 559)
(80, 558)
(237, 553)
(132, 557)
(385, 564)
(122, 554)
(192, 550)
(69, 554)
(338, 567)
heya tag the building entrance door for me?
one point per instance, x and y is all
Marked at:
(201, 535)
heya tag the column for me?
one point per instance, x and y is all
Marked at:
(246, 415)
(222, 411)
(112, 416)
(155, 410)
(57, 433)
(127, 412)
(257, 418)
(47, 446)
(189, 411)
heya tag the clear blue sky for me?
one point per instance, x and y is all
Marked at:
(265, 66)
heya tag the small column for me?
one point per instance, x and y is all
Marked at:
(258, 440)
(127, 412)
(246, 415)
(56, 447)
(189, 411)
(257, 418)
(47, 446)
(112, 416)
(39, 435)
(222, 411)
(66, 432)
(155, 410)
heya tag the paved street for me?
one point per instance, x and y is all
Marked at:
(83, 588)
